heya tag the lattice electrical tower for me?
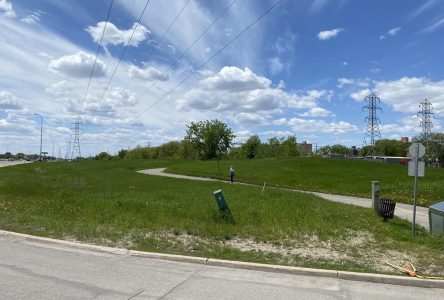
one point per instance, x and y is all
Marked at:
(75, 147)
(372, 128)
(426, 126)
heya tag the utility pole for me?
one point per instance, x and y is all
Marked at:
(41, 135)
(372, 128)
(426, 126)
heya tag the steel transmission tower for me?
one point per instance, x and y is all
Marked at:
(426, 126)
(372, 129)
(75, 147)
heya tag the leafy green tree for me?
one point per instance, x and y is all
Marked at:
(121, 154)
(436, 144)
(170, 149)
(209, 138)
(103, 156)
(273, 146)
(251, 146)
(366, 150)
(289, 147)
(333, 150)
(138, 153)
(391, 147)
(19, 155)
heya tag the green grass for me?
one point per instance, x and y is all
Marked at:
(344, 177)
(108, 203)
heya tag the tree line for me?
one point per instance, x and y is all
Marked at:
(213, 139)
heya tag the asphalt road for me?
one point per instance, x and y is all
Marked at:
(35, 270)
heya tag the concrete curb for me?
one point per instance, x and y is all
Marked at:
(354, 276)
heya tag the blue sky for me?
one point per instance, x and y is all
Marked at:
(303, 70)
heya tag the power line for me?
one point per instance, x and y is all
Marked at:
(97, 54)
(168, 29)
(188, 48)
(209, 59)
(123, 53)
(162, 37)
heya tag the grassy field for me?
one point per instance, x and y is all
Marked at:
(344, 177)
(108, 203)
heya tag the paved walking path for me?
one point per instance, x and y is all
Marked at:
(403, 211)
(7, 163)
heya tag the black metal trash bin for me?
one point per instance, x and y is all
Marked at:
(386, 208)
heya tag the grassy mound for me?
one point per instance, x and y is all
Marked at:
(335, 176)
(108, 203)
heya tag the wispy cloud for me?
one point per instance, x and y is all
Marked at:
(33, 17)
(317, 6)
(423, 8)
(328, 34)
(432, 27)
(391, 32)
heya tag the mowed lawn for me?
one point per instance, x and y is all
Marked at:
(108, 203)
(336, 176)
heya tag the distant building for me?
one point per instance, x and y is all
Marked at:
(405, 139)
(305, 148)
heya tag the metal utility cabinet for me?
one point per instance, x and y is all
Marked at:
(436, 218)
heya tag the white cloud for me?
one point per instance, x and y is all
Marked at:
(309, 99)
(6, 8)
(345, 63)
(235, 79)
(276, 66)
(391, 32)
(78, 65)
(318, 126)
(150, 73)
(61, 88)
(394, 31)
(360, 95)
(406, 93)
(342, 82)
(316, 112)
(285, 44)
(250, 118)
(246, 95)
(8, 101)
(116, 36)
(328, 34)
(32, 18)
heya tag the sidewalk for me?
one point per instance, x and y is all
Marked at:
(403, 211)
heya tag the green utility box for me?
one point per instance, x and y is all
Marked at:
(436, 218)
(224, 211)
(220, 200)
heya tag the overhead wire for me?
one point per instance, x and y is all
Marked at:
(123, 53)
(163, 36)
(209, 59)
(97, 54)
(188, 48)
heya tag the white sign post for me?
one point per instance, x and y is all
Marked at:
(416, 168)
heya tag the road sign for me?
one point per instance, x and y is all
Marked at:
(416, 150)
(421, 168)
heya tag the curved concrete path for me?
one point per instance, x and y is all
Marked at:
(403, 211)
